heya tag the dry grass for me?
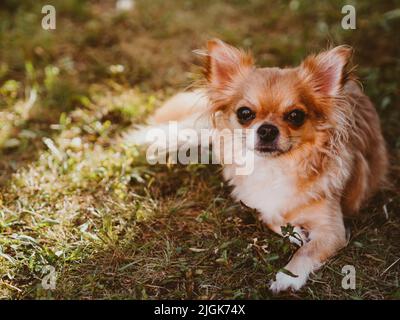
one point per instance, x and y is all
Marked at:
(114, 227)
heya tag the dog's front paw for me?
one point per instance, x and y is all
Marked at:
(285, 282)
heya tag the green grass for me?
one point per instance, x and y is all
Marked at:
(73, 197)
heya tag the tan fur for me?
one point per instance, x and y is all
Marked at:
(179, 107)
(371, 160)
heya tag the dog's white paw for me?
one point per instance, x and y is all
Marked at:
(285, 282)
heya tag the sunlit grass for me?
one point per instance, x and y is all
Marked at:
(75, 197)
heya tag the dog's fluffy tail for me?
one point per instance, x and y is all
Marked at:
(187, 110)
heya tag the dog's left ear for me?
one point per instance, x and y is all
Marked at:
(327, 71)
(224, 62)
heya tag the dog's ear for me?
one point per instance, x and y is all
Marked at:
(224, 62)
(327, 72)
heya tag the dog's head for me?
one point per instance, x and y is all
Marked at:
(287, 109)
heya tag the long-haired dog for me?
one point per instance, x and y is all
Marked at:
(315, 141)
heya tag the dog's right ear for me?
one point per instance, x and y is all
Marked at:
(225, 62)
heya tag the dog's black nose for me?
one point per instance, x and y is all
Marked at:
(268, 133)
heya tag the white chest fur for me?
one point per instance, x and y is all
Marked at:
(270, 189)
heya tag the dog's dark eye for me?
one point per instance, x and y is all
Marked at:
(245, 114)
(296, 117)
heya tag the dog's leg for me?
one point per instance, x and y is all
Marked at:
(326, 234)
